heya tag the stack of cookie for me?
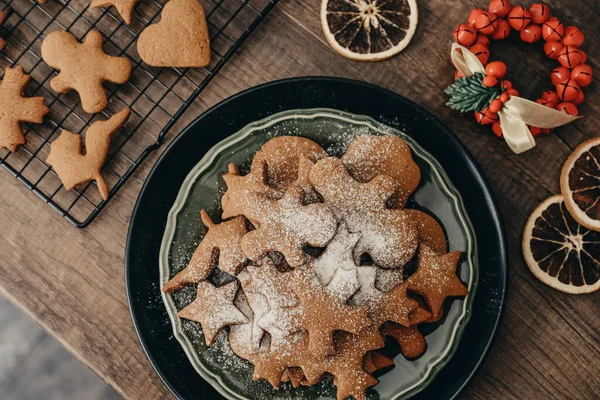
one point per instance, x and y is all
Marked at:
(325, 261)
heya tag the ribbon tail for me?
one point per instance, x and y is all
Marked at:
(515, 132)
(534, 114)
(465, 62)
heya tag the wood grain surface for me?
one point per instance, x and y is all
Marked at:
(72, 282)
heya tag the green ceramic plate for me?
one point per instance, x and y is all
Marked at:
(203, 188)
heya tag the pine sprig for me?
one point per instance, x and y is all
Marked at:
(469, 93)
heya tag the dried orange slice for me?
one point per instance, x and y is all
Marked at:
(559, 251)
(580, 184)
(369, 30)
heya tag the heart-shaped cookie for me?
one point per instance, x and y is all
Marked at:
(179, 39)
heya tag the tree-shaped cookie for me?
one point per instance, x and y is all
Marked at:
(83, 67)
(3, 15)
(75, 166)
(221, 243)
(286, 226)
(179, 39)
(214, 309)
(389, 236)
(436, 279)
(124, 7)
(369, 156)
(15, 108)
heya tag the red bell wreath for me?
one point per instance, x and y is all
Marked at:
(533, 24)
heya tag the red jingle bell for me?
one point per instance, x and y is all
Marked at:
(512, 92)
(482, 40)
(570, 57)
(568, 107)
(568, 90)
(531, 33)
(573, 36)
(497, 129)
(473, 15)
(583, 57)
(553, 30)
(500, 8)
(546, 131)
(504, 97)
(486, 23)
(540, 13)
(550, 96)
(559, 74)
(457, 75)
(465, 35)
(485, 116)
(552, 49)
(490, 81)
(496, 68)
(582, 75)
(580, 99)
(482, 52)
(506, 84)
(546, 103)
(535, 131)
(495, 106)
(519, 18)
(502, 31)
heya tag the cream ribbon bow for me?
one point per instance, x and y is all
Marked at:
(517, 112)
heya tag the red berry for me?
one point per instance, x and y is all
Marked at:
(553, 30)
(465, 35)
(482, 52)
(569, 57)
(568, 107)
(580, 98)
(519, 18)
(486, 23)
(552, 49)
(497, 129)
(483, 40)
(559, 74)
(540, 13)
(512, 92)
(496, 68)
(485, 116)
(582, 75)
(500, 8)
(495, 106)
(531, 33)
(568, 90)
(573, 36)
(490, 81)
(504, 97)
(550, 96)
(473, 16)
(534, 130)
(502, 31)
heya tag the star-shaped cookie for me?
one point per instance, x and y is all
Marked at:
(221, 243)
(436, 279)
(214, 309)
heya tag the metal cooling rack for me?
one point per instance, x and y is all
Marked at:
(157, 96)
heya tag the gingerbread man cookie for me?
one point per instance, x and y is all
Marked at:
(83, 67)
(73, 165)
(389, 236)
(221, 243)
(214, 309)
(179, 39)
(124, 7)
(15, 108)
(369, 156)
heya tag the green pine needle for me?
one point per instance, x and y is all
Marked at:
(469, 93)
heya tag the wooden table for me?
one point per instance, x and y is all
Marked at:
(71, 281)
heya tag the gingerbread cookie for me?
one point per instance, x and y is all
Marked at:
(3, 15)
(282, 155)
(286, 226)
(375, 361)
(293, 375)
(430, 232)
(214, 309)
(388, 236)
(369, 156)
(75, 166)
(411, 341)
(221, 243)
(245, 339)
(179, 39)
(436, 279)
(15, 108)
(124, 7)
(83, 67)
(337, 255)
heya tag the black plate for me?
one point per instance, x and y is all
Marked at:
(160, 190)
